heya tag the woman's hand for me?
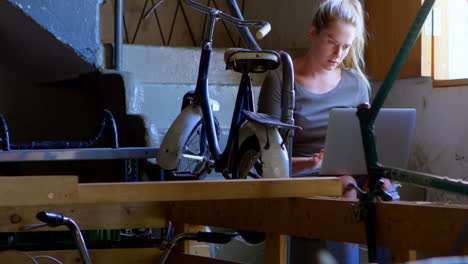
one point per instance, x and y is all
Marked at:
(316, 160)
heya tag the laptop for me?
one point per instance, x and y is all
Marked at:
(344, 153)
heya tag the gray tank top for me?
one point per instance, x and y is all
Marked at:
(312, 110)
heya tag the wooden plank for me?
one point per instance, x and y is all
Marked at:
(195, 247)
(192, 259)
(98, 256)
(275, 248)
(388, 24)
(449, 83)
(33, 190)
(285, 216)
(415, 225)
(426, 48)
(399, 224)
(180, 228)
(209, 190)
(191, 246)
(90, 216)
(48, 190)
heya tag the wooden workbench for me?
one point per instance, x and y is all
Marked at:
(132, 205)
(275, 206)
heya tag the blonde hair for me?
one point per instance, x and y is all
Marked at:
(351, 12)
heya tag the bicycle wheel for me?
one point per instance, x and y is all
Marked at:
(196, 159)
(192, 159)
(250, 164)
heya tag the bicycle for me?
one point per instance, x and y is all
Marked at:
(254, 146)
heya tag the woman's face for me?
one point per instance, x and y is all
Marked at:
(332, 44)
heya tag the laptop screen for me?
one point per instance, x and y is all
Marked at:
(344, 153)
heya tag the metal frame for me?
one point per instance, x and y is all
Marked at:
(77, 154)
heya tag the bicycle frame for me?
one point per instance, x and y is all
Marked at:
(244, 101)
(200, 107)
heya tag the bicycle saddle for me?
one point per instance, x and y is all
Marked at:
(245, 61)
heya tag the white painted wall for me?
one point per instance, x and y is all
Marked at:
(440, 141)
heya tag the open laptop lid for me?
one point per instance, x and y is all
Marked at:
(344, 153)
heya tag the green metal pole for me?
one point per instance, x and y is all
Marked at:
(367, 117)
(427, 180)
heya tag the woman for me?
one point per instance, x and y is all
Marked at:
(329, 75)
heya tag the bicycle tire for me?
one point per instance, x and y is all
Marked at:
(249, 157)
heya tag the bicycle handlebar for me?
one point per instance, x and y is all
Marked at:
(54, 220)
(214, 237)
(262, 32)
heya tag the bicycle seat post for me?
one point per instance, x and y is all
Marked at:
(213, 17)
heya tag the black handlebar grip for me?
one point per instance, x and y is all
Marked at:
(52, 219)
(214, 237)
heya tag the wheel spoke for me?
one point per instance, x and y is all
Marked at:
(192, 159)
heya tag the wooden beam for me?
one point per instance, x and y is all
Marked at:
(50, 190)
(427, 52)
(209, 190)
(89, 216)
(399, 255)
(402, 225)
(33, 190)
(275, 248)
(449, 83)
(98, 256)
(192, 259)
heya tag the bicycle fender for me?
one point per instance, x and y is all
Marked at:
(170, 149)
(275, 161)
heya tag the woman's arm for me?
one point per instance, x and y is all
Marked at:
(269, 99)
(302, 165)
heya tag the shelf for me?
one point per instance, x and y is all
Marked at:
(77, 154)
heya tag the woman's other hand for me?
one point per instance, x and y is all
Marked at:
(304, 165)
